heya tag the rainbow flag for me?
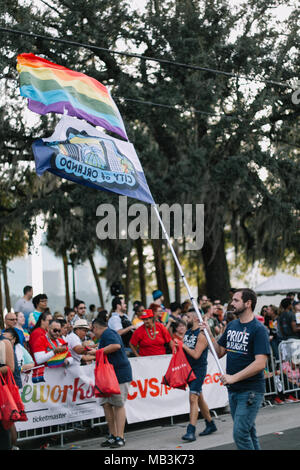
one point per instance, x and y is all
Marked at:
(57, 360)
(165, 317)
(53, 88)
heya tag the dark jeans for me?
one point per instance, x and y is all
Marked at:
(5, 443)
(244, 407)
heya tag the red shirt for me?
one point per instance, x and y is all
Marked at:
(33, 338)
(43, 343)
(148, 346)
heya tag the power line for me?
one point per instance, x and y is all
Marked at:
(178, 108)
(143, 57)
(168, 106)
(197, 111)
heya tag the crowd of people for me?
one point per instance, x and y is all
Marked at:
(149, 331)
(41, 339)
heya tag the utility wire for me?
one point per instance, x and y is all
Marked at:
(197, 111)
(143, 57)
(168, 106)
(178, 108)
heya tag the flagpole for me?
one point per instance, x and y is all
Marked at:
(211, 347)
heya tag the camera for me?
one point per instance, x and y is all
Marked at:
(116, 289)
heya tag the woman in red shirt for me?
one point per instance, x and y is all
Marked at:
(40, 329)
(150, 338)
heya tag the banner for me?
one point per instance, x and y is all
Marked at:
(80, 153)
(149, 399)
(67, 395)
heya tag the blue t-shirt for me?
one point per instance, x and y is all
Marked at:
(190, 340)
(243, 341)
(118, 359)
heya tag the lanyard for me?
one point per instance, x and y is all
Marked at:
(54, 345)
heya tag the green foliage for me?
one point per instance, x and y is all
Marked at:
(223, 135)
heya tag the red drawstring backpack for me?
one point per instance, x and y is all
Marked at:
(9, 412)
(106, 382)
(14, 390)
(179, 372)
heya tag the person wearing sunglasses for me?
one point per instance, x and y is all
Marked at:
(51, 350)
(80, 311)
(10, 320)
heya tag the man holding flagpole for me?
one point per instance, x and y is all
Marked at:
(195, 347)
(246, 343)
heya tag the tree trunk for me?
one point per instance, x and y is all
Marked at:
(165, 285)
(128, 279)
(6, 286)
(176, 274)
(157, 263)
(216, 271)
(160, 270)
(97, 280)
(66, 276)
(142, 280)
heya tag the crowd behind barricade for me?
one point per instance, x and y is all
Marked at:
(43, 339)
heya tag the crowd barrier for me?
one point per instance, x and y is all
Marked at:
(283, 374)
(65, 401)
(67, 396)
(289, 359)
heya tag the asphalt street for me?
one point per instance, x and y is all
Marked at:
(278, 428)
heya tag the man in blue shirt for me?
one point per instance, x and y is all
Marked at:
(246, 343)
(114, 405)
(195, 348)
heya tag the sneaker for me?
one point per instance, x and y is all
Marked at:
(190, 434)
(277, 401)
(109, 441)
(118, 442)
(210, 428)
(291, 399)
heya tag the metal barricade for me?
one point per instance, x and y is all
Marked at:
(289, 360)
(282, 375)
(272, 379)
(60, 429)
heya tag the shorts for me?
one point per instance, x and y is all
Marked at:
(117, 400)
(195, 385)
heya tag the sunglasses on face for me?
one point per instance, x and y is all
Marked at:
(56, 330)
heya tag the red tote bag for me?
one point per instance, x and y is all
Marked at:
(179, 372)
(106, 382)
(14, 390)
(9, 412)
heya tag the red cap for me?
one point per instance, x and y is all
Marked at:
(148, 313)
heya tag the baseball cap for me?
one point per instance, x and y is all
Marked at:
(148, 313)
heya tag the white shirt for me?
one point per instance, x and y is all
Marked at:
(74, 340)
(115, 322)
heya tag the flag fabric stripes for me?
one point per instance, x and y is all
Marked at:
(57, 360)
(50, 87)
